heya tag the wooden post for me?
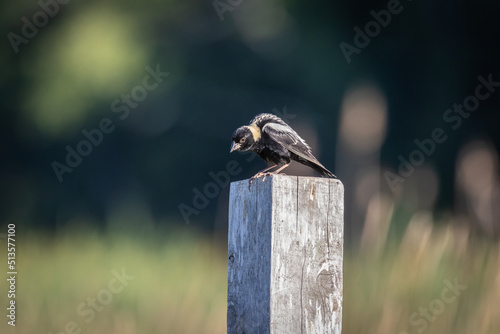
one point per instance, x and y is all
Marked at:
(285, 256)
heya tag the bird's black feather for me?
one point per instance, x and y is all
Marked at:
(276, 142)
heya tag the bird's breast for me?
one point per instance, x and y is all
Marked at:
(274, 155)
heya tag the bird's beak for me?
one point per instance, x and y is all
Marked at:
(235, 147)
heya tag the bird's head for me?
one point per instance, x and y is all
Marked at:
(243, 139)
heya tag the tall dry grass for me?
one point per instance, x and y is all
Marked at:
(179, 284)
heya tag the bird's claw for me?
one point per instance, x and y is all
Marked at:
(256, 176)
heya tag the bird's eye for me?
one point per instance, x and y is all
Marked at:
(242, 140)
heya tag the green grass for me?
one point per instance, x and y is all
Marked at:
(180, 284)
(400, 289)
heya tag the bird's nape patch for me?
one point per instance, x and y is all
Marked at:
(255, 131)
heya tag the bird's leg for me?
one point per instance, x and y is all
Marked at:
(280, 169)
(259, 174)
(265, 173)
(275, 172)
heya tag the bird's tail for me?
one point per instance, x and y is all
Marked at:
(321, 170)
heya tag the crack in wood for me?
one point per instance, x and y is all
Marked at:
(302, 295)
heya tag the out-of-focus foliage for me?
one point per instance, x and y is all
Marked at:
(88, 61)
(179, 284)
(173, 285)
(94, 57)
(117, 117)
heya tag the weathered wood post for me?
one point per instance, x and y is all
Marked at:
(285, 256)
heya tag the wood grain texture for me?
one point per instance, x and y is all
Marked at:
(285, 256)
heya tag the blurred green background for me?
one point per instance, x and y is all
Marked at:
(115, 136)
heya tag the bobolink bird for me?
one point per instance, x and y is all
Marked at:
(277, 143)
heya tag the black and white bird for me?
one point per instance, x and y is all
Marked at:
(277, 143)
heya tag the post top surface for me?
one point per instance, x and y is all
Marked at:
(284, 177)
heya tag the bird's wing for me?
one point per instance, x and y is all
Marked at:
(286, 136)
